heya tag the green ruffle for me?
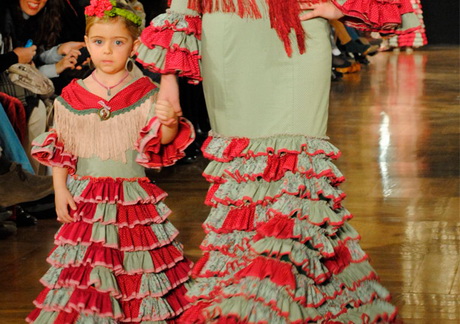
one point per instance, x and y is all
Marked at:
(234, 243)
(260, 190)
(276, 144)
(67, 254)
(141, 261)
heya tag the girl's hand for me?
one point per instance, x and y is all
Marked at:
(324, 9)
(66, 48)
(165, 113)
(63, 199)
(169, 91)
(67, 62)
(25, 54)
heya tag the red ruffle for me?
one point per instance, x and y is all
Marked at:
(110, 190)
(92, 301)
(277, 271)
(139, 214)
(199, 265)
(340, 261)
(67, 318)
(51, 153)
(378, 15)
(127, 216)
(233, 149)
(141, 238)
(239, 219)
(279, 227)
(74, 233)
(180, 61)
(153, 154)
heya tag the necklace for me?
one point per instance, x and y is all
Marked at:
(109, 92)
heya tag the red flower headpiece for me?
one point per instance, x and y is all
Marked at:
(101, 8)
(98, 8)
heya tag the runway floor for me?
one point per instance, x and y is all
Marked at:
(397, 125)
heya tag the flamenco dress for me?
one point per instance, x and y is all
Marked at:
(118, 261)
(278, 245)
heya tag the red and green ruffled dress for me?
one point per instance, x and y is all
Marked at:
(278, 245)
(118, 261)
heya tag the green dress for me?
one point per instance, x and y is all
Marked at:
(278, 247)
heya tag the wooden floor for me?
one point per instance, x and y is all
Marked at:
(397, 124)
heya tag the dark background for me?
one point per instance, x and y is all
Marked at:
(441, 21)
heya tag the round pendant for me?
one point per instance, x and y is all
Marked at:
(104, 113)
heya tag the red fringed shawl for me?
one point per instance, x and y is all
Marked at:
(284, 15)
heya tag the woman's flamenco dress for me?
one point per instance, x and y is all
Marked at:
(278, 247)
(118, 261)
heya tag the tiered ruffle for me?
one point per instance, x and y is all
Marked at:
(47, 150)
(278, 248)
(118, 261)
(153, 154)
(171, 44)
(416, 38)
(386, 16)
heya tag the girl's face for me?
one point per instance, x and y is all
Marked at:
(110, 44)
(32, 7)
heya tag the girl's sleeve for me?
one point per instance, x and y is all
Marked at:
(171, 43)
(49, 150)
(153, 154)
(385, 16)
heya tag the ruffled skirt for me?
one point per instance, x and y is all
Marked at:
(278, 247)
(118, 261)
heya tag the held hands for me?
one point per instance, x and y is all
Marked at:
(63, 200)
(169, 91)
(25, 54)
(165, 113)
(324, 9)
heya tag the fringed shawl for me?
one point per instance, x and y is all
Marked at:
(84, 134)
(284, 15)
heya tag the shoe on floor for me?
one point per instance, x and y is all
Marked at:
(18, 186)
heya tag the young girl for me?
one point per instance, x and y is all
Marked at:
(278, 247)
(416, 38)
(116, 258)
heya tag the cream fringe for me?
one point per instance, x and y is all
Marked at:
(88, 136)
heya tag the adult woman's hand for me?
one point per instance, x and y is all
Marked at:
(169, 91)
(25, 54)
(324, 9)
(66, 48)
(67, 62)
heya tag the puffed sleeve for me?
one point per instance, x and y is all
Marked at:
(172, 43)
(153, 154)
(48, 150)
(385, 16)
